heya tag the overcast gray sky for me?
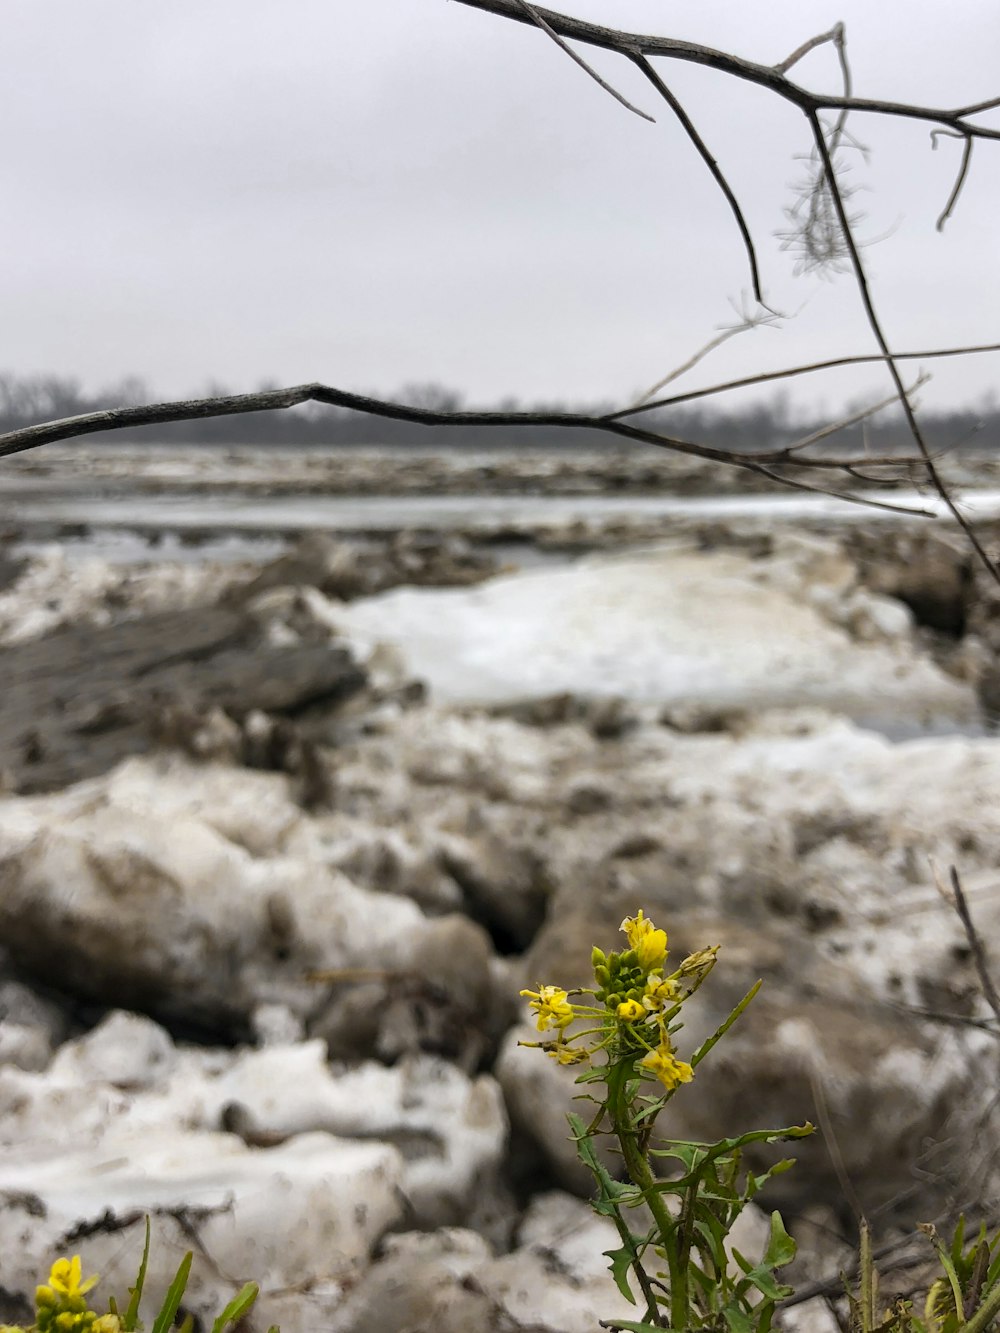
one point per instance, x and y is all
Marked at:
(396, 191)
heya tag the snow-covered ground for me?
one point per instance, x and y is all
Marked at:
(674, 627)
(376, 1143)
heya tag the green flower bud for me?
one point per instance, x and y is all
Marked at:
(597, 957)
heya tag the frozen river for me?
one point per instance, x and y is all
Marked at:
(220, 513)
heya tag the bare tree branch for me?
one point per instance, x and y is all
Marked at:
(960, 903)
(764, 76)
(836, 34)
(761, 463)
(537, 18)
(748, 322)
(861, 279)
(789, 372)
(689, 129)
(864, 414)
(963, 172)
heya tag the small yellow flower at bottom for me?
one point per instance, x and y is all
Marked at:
(667, 1068)
(551, 1006)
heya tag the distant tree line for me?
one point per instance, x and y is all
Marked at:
(27, 399)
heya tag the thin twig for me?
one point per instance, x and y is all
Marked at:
(789, 372)
(963, 172)
(866, 500)
(575, 56)
(836, 32)
(950, 1020)
(717, 175)
(960, 903)
(864, 414)
(91, 423)
(753, 463)
(764, 76)
(746, 324)
(861, 279)
(976, 107)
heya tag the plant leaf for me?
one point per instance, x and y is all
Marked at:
(135, 1293)
(237, 1307)
(781, 1249)
(172, 1300)
(621, 1264)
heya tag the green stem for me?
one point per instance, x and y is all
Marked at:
(642, 1176)
(984, 1315)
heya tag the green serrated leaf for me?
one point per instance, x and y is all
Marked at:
(172, 1300)
(135, 1293)
(621, 1267)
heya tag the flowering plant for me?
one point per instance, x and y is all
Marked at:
(61, 1303)
(631, 1017)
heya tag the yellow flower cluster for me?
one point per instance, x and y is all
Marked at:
(61, 1307)
(635, 1005)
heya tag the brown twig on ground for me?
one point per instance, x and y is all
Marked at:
(956, 898)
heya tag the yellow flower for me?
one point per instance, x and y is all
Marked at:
(551, 1006)
(630, 1010)
(649, 943)
(64, 1278)
(659, 992)
(668, 1069)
